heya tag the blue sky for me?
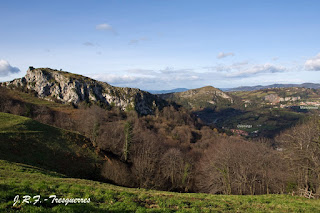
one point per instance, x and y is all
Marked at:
(164, 44)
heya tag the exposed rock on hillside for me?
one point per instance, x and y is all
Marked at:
(72, 88)
(274, 98)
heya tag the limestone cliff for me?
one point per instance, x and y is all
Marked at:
(275, 98)
(72, 88)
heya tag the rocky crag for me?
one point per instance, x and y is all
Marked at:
(71, 88)
(274, 98)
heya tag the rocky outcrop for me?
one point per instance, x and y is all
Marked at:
(274, 98)
(71, 88)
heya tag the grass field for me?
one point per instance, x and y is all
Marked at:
(21, 179)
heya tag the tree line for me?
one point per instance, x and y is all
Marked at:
(172, 150)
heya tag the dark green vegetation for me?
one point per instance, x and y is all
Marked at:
(21, 179)
(265, 122)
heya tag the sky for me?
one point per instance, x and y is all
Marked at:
(164, 44)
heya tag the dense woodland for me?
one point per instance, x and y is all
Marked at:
(173, 150)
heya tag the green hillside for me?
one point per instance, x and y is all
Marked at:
(266, 111)
(24, 140)
(21, 179)
(199, 98)
(258, 95)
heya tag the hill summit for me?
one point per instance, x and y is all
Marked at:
(203, 97)
(67, 87)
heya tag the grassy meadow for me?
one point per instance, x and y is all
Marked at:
(21, 179)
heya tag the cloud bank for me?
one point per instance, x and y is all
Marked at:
(148, 78)
(170, 77)
(313, 64)
(221, 74)
(6, 69)
(256, 69)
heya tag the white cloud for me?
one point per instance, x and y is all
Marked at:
(186, 78)
(149, 78)
(6, 69)
(104, 26)
(257, 69)
(142, 71)
(239, 64)
(222, 75)
(313, 63)
(115, 79)
(223, 55)
(171, 70)
(244, 69)
(227, 68)
(125, 80)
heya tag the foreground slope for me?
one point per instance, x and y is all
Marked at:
(20, 179)
(27, 141)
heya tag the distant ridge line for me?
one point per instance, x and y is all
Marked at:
(167, 91)
(258, 87)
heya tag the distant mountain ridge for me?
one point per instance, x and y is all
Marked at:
(167, 91)
(67, 87)
(258, 87)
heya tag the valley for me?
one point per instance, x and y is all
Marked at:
(266, 111)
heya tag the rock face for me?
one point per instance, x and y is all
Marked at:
(274, 98)
(199, 98)
(71, 88)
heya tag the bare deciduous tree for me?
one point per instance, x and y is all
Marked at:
(301, 147)
(234, 166)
